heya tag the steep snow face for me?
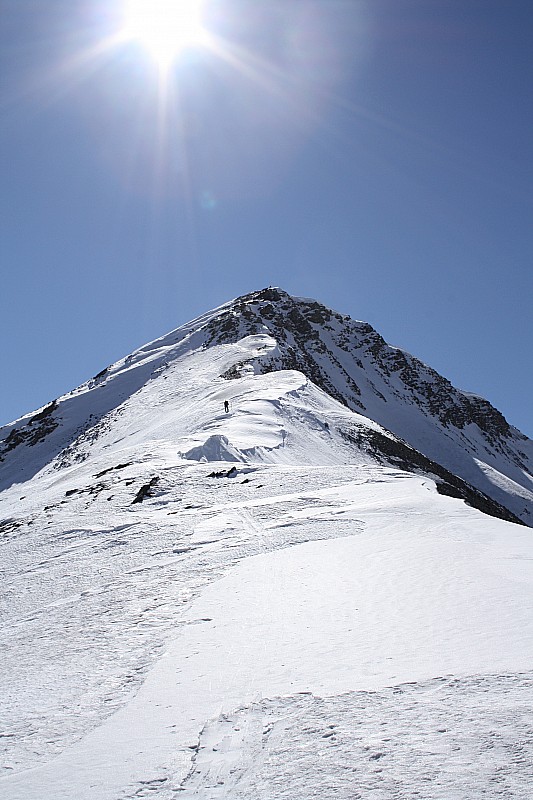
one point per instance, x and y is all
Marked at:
(30, 443)
(208, 404)
(353, 363)
(229, 353)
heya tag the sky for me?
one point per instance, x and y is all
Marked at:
(373, 154)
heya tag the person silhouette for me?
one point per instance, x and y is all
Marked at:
(226, 406)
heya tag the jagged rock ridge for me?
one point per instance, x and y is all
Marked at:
(353, 363)
(299, 326)
(459, 433)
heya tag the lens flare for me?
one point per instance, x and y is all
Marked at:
(165, 28)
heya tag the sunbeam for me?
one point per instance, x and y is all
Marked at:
(164, 27)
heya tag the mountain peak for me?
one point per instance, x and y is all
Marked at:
(270, 332)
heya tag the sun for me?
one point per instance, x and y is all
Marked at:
(165, 28)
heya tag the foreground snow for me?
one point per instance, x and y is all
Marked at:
(417, 588)
(445, 738)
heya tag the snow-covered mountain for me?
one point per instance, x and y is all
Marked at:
(289, 598)
(272, 332)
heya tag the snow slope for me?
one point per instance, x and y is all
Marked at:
(270, 331)
(365, 580)
(353, 363)
(262, 603)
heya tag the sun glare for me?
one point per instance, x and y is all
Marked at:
(164, 27)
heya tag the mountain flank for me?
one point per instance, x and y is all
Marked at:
(348, 360)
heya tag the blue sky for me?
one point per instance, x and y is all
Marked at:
(377, 156)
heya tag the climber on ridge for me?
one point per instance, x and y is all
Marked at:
(226, 406)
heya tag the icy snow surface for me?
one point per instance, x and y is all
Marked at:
(281, 617)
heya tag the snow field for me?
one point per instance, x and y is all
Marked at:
(414, 590)
(443, 739)
(93, 589)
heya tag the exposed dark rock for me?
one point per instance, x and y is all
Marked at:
(324, 345)
(100, 374)
(46, 412)
(9, 525)
(233, 373)
(111, 469)
(34, 431)
(396, 453)
(230, 473)
(289, 322)
(145, 491)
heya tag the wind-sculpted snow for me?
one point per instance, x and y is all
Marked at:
(67, 428)
(467, 737)
(128, 627)
(93, 588)
(215, 448)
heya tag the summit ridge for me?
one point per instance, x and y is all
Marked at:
(347, 359)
